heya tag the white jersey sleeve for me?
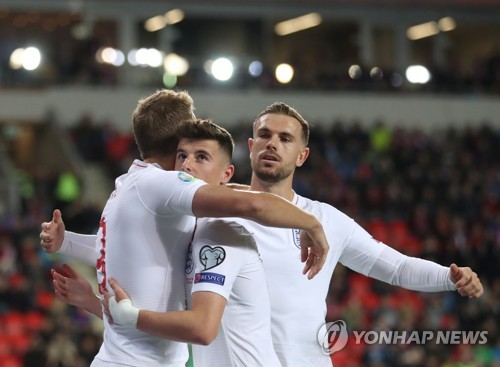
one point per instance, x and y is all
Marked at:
(219, 252)
(365, 255)
(168, 192)
(81, 247)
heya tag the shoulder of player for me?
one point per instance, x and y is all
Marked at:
(224, 230)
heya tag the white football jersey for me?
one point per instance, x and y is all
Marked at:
(225, 261)
(144, 233)
(298, 305)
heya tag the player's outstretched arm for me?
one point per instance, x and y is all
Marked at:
(269, 210)
(54, 238)
(466, 281)
(199, 325)
(52, 233)
(73, 289)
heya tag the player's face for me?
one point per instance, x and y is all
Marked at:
(203, 159)
(277, 147)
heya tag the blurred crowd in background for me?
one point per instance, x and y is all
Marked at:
(434, 195)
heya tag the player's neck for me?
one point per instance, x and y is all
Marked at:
(282, 188)
(166, 162)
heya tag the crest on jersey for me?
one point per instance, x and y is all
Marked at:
(211, 257)
(296, 237)
(185, 177)
(189, 260)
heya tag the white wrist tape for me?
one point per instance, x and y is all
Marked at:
(123, 313)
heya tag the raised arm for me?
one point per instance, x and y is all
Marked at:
(379, 261)
(269, 210)
(54, 238)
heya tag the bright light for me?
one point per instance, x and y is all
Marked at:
(155, 58)
(422, 30)
(284, 73)
(376, 73)
(297, 24)
(16, 59)
(355, 72)
(175, 64)
(255, 68)
(447, 24)
(222, 69)
(174, 16)
(155, 23)
(109, 55)
(31, 58)
(418, 74)
(119, 59)
(207, 66)
(148, 57)
(132, 57)
(161, 21)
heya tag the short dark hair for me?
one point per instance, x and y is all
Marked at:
(281, 108)
(207, 129)
(155, 121)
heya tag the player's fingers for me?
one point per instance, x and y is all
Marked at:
(473, 289)
(70, 272)
(56, 216)
(105, 307)
(59, 289)
(309, 263)
(58, 277)
(466, 277)
(119, 292)
(304, 252)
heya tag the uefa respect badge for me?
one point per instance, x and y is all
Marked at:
(333, 336)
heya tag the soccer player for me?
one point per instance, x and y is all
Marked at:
(148, 222)
(229, 280)
(298, 308)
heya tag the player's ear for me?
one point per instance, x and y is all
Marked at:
(228, 174)
(301, 158)
(250, 143)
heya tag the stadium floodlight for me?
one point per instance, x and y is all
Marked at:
(28, 58)
(418, 74)
(297, 24)
(255, 68)
(158, 22)
(447, 24)
(175, 64)
(423, 30)
(284, 73)
(222, 69)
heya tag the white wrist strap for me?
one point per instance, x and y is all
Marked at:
(123, 313)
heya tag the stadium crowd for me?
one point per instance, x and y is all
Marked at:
(434, 195)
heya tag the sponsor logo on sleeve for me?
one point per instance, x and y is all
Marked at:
(213, 278)
(210, 257)
(185, 177)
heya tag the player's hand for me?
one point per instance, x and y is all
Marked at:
(466, 281)
(119, 308)
(52, 233)
(73, 289)
(313, 250)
